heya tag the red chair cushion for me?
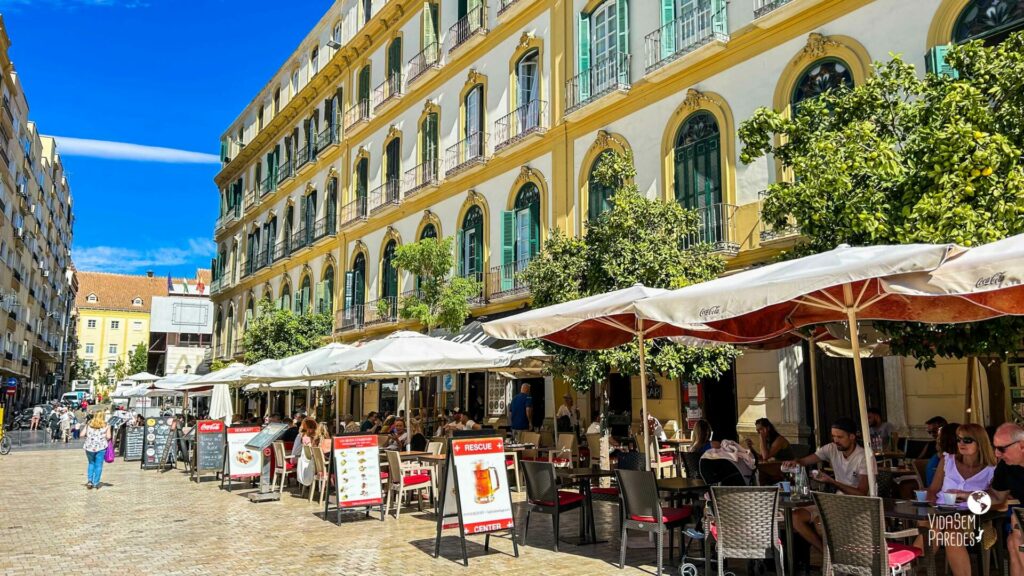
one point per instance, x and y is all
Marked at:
(509, 461)
(665, 459)
(289, 465)
(900, 554)
(383, 475)
(565, 498)
(669, 515)
(528, 459)
(605, 491)
(412, 479)
(561, 461)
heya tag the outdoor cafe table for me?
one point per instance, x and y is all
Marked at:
(583, 477)
(679, 488)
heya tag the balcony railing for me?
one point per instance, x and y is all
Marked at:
(381, 311)
(530, 118)
(473, 23)
(420, 177)
(302, 157)
(282, 249)
(428, 59)
(301, 238)
(505, 5)
(480, 297)
(267, 186)
(239, 347)
(251, 200)
(465, 153)
(696, 27)
(387, 194)
(324, 227)
(769, 232)
(506, 280)
(215, 286)
(609, 73)
(357, 113)
(388, 90)
(327, 137)
(218, 350)
(762, 7)
(354, 211)
(716, 226)
(262, 259)
(352, 318)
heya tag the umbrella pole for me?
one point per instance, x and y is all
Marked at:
(309, 394)
(814, 392)
(643, 402)
(869, 453)
(408, 414)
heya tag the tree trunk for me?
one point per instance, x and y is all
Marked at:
(996, 390)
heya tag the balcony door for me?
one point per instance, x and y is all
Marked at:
(393, 169)
(474, 124)
(430, 147)
(698, 171)
(362, 182)
(528, 87)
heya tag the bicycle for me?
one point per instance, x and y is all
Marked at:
(5, 436)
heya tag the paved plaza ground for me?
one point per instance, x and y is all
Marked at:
(150, 522)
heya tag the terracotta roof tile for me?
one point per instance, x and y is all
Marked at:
(116, 291)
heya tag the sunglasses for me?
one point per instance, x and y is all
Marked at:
(1005, 448)
(964, 440)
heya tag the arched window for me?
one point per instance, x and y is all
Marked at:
(250, 310)
(429, 231)
(218, 327)
(393, 170)
(528, 91)
(598, 193)
(520, 234)
(819, 77)
(473, 125)
(332, 205)
(471, 244)
(989, 20)
(303, 297)
(308, 217)
(285, 301)
(698, 169)
(326, 302)
(388, 273)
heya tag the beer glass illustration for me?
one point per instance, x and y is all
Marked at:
(487, 483)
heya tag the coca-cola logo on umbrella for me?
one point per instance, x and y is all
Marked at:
(994, 281)
(710, 311)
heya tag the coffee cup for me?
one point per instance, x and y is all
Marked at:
(947, 498)
(785, 486)
(920, 495)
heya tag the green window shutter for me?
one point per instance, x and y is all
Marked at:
(430, 20)
(583, 57)
(349, 290)
(668, 28)
(364, 83)
(719, 17)
(223, 151)
(622, 39)
(935, 62)
(463, 8)
(460, 253)
(534, 229)
(508, 249)
(395, 58)
(318, 298)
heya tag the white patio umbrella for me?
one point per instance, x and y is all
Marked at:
(593, 323)
(220, 404)
(231, 374)
(143, 377)
(839, 285)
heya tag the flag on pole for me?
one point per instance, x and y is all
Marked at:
(170, 283)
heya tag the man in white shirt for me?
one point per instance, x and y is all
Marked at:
(851, 474)
(566, 410)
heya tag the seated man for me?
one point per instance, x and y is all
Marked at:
(1008, 482)
(851, 474)
(933, 425)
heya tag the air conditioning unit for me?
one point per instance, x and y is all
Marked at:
(46, 273)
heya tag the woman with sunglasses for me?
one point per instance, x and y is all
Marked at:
(969, 470)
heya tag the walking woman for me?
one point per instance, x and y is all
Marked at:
(97, 434)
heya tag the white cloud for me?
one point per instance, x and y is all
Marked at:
(127, 260)
(72, 4)
(125, 151)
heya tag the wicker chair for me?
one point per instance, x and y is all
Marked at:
(743, 525)
(691, 464)
(855, 537)
(544, 497)
(642, 510)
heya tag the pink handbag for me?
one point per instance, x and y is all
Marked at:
(109, 456)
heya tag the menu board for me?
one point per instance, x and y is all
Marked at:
(482, 490)
(209, 446)
(133, 439)
(157, 435)
(241, 461)
(357, 462)
(267, 436)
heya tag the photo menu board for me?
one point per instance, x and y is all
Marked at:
(158, 432)
(357, 462)
(241, 461)
(485, 504)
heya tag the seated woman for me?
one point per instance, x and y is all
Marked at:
(307, 430)
(399, 436)
(771, 445)
(702, 435)
(945, 443)
(968, 470)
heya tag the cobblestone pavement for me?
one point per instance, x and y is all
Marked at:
(151, 522)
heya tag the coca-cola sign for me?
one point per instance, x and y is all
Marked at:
(211, 426)
(710, 311)
(994, 281)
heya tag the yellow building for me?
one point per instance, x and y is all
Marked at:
(113, 314)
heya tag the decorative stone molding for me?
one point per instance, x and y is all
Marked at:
(817, 46)
(526, 39)
(694, 100)
(475, 77)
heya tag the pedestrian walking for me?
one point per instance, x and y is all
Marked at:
(97, 435)
(65, 425)
(37, 415)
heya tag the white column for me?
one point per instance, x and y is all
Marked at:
(895, 396)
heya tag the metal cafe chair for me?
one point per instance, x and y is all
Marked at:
(855, 538)
(642, 510)
(544, 497)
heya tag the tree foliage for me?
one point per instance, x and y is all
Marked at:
(441, 298)
(138, 359)
(277, 333)
(636, 240)
(901, 159)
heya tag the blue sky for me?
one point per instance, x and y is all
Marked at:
(164, 73)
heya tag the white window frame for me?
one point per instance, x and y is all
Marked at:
(115, 324)
(90, 323)
(90, 348)
(111, 348)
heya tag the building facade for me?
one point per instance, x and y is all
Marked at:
(37, 281)
(114, 315)
(483, 120)
(181, 327)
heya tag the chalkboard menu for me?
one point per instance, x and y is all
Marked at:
(133, 439)
(209, 446)
(267, 436)
(158, 432)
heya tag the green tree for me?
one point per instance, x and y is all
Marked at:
(900, 159)
(441, 298)
(636, 240)
(138, 359)
(82, 369)
(277, 333)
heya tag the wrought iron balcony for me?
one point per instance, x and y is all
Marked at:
(609, 73)
(239, 347)
(267, 186)
(327, 137)
(421, 176)
(262, 259)
(252, 200)
(354, 211)
(506, 5)
(359, 112)
(762, 7)
(530, 118)
(697, 26)
(287, 170)
(770, 233)
(480, 298)
(302, 238)
(302, 157)
(324, 227)
(352, 318)
(469, 26)
(215, 286)
(428, 59)
(282, 249)
(381, 311)
(390, 90)
(506, 280)
(716, 225)
(466, 153)
(387, 194)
